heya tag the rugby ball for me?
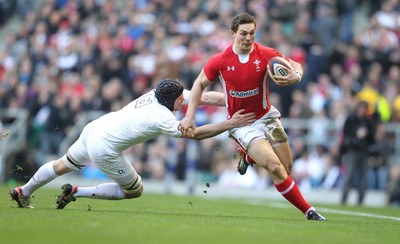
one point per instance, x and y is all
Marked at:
(275, 66)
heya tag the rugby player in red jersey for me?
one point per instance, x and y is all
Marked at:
(242, 71)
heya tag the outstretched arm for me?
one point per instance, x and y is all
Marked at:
(187, 125)
(206, 131)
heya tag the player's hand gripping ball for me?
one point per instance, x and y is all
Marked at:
(277, 66)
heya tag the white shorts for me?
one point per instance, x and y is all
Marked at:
(268, 127)
(113, 164)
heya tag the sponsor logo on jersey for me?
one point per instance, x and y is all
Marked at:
(248, 93)
(231, 68)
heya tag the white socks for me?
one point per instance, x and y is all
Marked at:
(107, 191)
(44, 175)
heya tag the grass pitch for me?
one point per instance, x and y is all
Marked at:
(189, 219)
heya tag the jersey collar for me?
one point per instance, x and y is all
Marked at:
(244, 58)
(252, 48)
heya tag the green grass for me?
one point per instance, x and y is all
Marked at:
(186, 219)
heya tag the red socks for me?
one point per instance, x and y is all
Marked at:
(291, 192)
(246, 156)
(287, 188)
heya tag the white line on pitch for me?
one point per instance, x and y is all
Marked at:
(330, 210)
(346, 212)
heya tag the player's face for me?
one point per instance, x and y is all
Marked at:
(244, 38)
(178, 102)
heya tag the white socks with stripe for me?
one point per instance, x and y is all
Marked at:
(44, 175)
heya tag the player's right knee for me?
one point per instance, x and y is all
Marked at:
(135, 189)
(136, 194)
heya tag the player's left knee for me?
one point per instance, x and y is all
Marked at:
(278, 170)
(62, 166)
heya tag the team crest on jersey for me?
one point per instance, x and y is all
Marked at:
(257, 63)
(242, 94)
(231, 68)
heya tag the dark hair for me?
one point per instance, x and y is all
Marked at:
(243, 18)
(167, 91)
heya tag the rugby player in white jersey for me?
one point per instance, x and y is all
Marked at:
(103, 141)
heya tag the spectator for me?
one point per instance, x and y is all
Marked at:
(378, 171)
(358, 132)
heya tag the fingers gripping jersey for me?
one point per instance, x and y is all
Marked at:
(244, 78)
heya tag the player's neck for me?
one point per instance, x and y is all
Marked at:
(238, 51)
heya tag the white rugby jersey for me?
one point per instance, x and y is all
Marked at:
(137, 122)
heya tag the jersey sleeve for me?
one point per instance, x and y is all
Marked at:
(186, 96)
(212, 68)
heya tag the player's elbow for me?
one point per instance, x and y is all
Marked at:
(205, 99)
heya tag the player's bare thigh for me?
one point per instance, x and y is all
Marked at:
(263, 154)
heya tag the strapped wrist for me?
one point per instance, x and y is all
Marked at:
(299, 74)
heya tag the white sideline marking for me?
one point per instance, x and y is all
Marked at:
(346, 212)
(262, 202)
(335, 211)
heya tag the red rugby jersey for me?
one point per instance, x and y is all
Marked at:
(245, 84)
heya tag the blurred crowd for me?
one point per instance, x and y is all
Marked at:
(72, 56)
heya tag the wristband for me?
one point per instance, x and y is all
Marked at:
(299, 74)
